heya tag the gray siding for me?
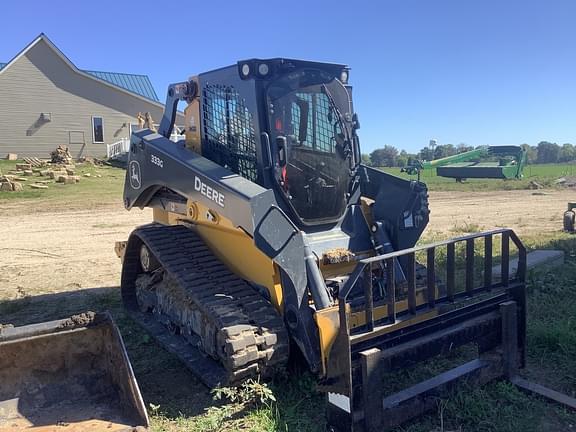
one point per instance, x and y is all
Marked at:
(42, 82)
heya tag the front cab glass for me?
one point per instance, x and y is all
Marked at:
(309, 112)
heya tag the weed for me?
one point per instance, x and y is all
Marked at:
(467, 227)
(154, 409)
(249, 393)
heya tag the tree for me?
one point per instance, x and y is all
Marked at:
(426, 154)
(462, 148)
(402, 159)
(366, 159)
(444, 150)
(531, 153)
(384, 157)
(567, 153)
(548, 152)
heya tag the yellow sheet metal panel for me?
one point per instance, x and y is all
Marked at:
(165, 217)
(236, 250)
(359, 318)
(192, 124)
(402, 323)
(328, 322)
(160, 216)
(366, 204)
(338, 269)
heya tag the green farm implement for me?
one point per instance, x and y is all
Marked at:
(499, 162)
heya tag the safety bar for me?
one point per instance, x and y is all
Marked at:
(365, 267)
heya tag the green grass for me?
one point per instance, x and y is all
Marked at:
(93, 191)
(466, 227)
(551, 356)
(497, 407)
(545, 174)
(89, 192)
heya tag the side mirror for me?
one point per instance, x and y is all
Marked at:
(281, 147)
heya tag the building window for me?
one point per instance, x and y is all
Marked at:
(98, 129)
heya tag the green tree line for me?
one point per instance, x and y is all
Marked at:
(543, 152)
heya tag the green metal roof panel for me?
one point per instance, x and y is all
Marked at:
(139, 84)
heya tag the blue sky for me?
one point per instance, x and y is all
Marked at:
(478, 72)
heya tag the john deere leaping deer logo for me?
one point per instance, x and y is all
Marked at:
(135, 176)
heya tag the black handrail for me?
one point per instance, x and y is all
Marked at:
(365, 267)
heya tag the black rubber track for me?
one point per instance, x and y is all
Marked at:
(241, 333)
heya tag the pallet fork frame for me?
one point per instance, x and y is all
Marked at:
(496, 322)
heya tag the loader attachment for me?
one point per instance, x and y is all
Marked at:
(71, 374)
(479, 305)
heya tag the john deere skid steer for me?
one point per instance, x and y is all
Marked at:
(270, 235)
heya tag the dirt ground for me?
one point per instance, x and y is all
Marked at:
(46, 249)
(53, 250)
(527, 212)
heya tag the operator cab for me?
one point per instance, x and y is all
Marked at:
(287, 125)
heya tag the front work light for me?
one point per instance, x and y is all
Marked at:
(263, 69)
(245, 70)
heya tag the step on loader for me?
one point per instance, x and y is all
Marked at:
(271, 236)
(71, 374)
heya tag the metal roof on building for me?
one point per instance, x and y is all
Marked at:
(139, 84)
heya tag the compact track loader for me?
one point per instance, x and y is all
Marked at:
(269, 234)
